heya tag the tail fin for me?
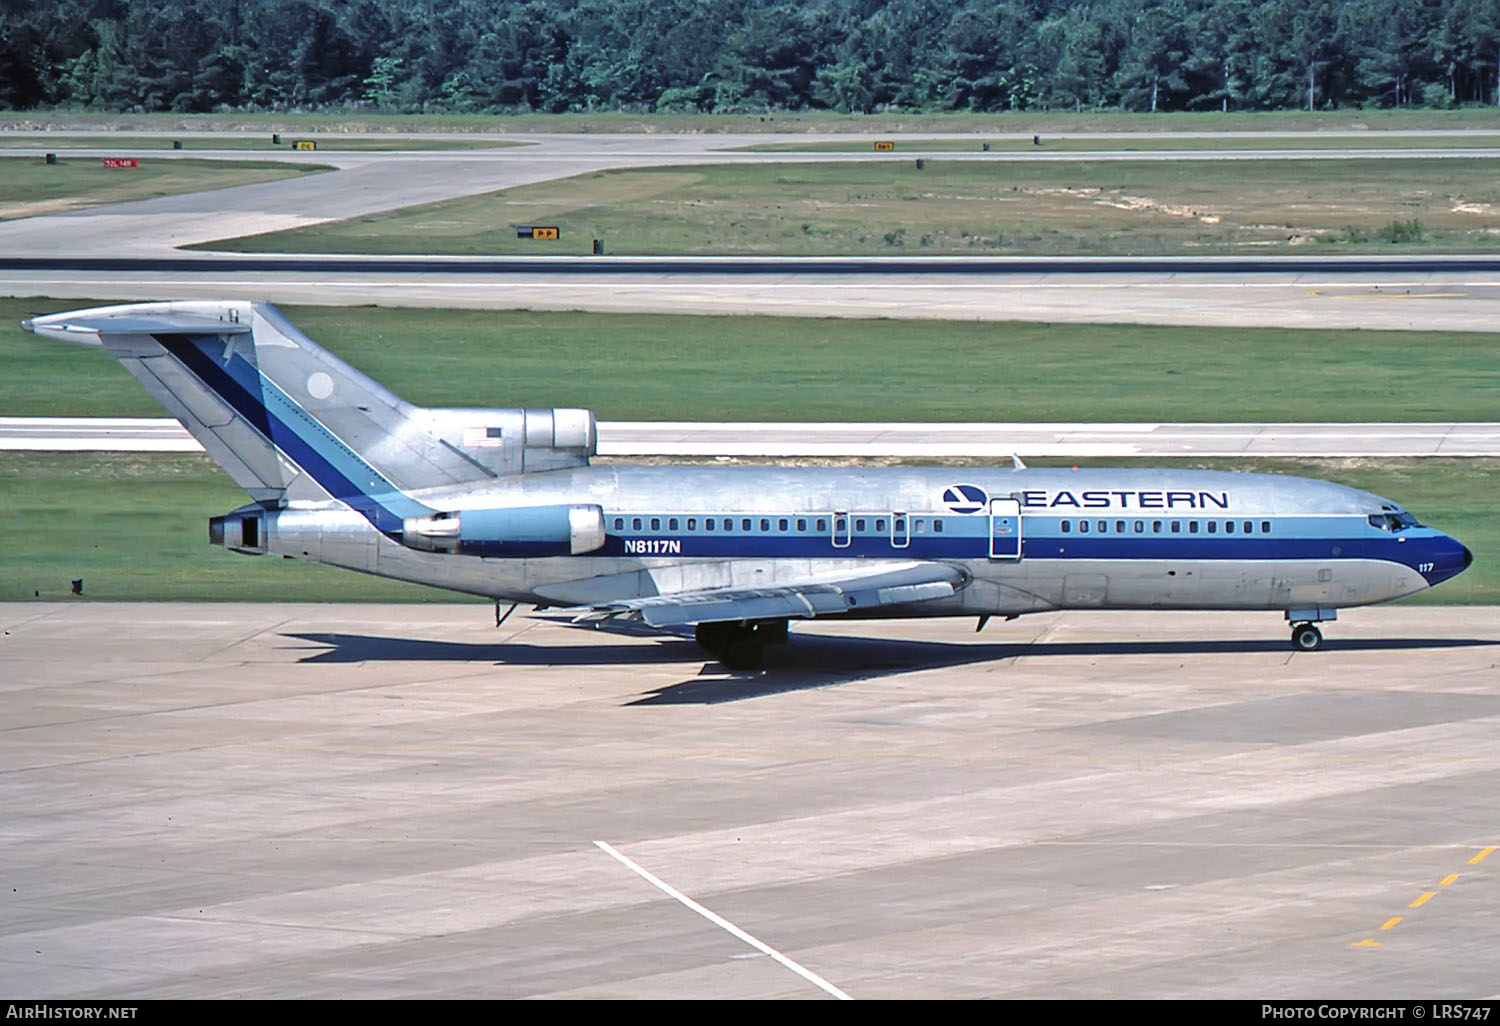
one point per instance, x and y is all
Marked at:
(290, 421)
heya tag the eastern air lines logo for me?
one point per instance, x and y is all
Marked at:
(966, 498)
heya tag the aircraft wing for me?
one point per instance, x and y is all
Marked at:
(849, 591)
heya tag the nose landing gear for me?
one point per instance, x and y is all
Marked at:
(1304, 620)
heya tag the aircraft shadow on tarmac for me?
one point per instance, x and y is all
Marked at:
(805, 662)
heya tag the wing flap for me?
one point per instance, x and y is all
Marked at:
(794, 599)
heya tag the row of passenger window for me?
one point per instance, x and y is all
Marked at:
(1166, 526)
(749, 525)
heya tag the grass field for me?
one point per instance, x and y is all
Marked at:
(994, 206)
(810, 121)
(32, 186)
(663, 367)
(135, 527)
(192, 141)
(1141, 142)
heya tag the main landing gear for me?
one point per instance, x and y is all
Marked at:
(739, 645)
(1306, 637)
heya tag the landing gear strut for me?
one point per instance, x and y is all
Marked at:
(1306, 637)
(739, 646)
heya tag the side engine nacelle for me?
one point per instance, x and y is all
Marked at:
(345, 538)
(523, 531)
(244, 530)
(339, 537)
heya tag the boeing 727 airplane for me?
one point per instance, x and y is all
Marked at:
(504, 503)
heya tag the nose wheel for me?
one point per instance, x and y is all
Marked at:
(1306, 637)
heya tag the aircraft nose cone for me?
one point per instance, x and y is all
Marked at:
(1452, 559)
(1445, 559)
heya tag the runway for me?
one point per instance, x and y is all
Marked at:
(878, 440)
(360, 801)
(1436, 294)
(1352, 300)
(1222, 268)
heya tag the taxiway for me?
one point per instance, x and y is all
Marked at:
(337, 801)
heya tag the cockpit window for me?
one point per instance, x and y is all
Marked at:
(1392, 521)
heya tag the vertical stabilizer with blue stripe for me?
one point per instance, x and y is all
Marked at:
(289, 421)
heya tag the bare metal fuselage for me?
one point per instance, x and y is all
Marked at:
(1319, 550)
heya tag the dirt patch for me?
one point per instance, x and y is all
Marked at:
(1133, 204)
(12, 211)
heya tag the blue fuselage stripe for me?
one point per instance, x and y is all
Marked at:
(1432, 554)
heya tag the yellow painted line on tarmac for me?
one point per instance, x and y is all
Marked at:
(1422, 899)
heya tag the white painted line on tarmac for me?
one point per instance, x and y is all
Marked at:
(97, 445)
(418, 279)
(722, 923)
(915, 440)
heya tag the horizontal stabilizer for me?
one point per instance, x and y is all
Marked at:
(87, 326)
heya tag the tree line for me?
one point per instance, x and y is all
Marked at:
(478, 56)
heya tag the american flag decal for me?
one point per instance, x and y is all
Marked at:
(483, 438)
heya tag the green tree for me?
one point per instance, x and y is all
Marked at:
(1389, 39)
(383, 82)
(1153, 65)
(1082, 48)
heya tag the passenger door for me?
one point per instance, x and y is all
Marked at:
(1005, 529)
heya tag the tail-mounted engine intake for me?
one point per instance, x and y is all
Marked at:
(523, 531)
(504, 442)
